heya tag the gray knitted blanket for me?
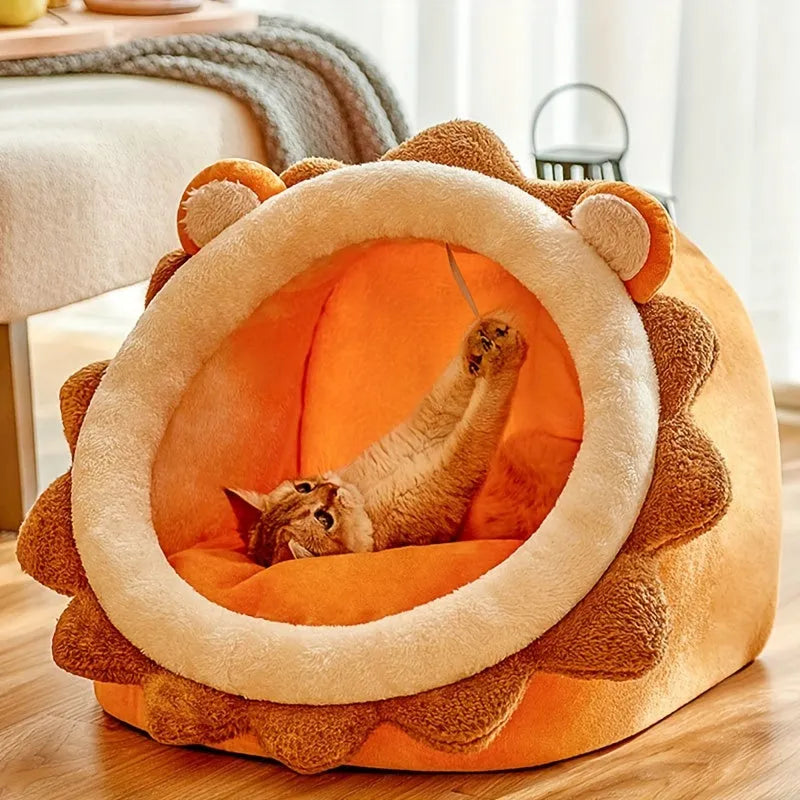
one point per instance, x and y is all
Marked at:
(311, 92)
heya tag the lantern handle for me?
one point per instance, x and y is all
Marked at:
(580, 86)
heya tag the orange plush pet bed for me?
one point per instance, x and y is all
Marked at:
(608, 555)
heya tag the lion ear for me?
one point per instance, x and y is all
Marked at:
(219, 196)
(631, 231)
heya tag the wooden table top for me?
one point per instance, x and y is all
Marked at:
(73, 29)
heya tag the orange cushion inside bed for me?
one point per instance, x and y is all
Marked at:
(337, 590)
(321, 369)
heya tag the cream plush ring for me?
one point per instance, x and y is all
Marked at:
(446, 639)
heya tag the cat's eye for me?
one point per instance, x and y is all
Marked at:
(303, 488)
(324, 518)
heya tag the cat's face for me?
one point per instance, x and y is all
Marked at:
(302, 518)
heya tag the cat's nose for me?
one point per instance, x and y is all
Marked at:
(331, 490)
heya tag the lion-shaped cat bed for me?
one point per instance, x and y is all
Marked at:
(617, 552)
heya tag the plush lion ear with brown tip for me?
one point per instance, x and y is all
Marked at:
(631, 231)
(219, 196)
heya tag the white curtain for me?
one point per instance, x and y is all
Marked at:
(708, 87)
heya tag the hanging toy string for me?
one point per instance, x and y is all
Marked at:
(460, 282)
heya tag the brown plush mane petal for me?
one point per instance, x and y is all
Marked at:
(308, 168)
(684, 348)
(180, 711)
(87, 644)
(617, 632)
(74, 399)
(45, 547)
(165, 269)
(454, 717)
(464, 144)
(312, 738)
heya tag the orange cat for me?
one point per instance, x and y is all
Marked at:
(413, 486)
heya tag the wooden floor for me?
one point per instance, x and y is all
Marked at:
(741, 740)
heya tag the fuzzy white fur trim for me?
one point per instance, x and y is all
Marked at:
(453, 636)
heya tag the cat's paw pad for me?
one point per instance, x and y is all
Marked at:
(493, 345)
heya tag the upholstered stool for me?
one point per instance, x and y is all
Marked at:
(85, 162)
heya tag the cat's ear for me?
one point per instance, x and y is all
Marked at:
(247, 507)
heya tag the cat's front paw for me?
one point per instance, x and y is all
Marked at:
(493, 346)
